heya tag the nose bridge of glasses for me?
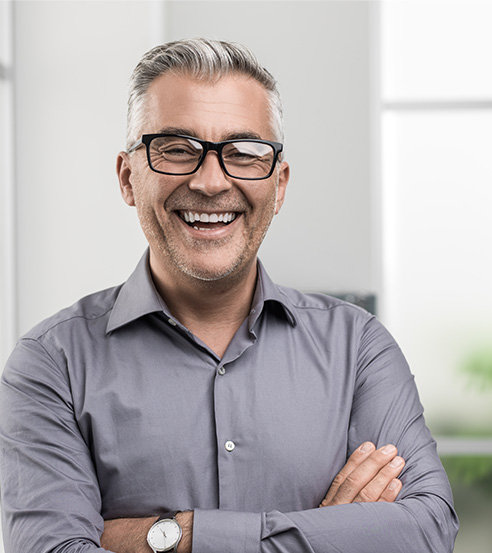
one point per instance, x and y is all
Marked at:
(216, 149)
(210, 177)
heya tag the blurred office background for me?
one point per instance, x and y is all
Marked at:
(388, 111)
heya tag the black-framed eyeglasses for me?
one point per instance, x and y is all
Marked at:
(176, 154)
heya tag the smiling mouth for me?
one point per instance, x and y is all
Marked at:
(207, 221)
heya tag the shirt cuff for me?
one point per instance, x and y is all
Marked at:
(217, 531)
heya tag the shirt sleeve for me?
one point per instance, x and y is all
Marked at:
(50, 494)
(386, 409)
(51, 498)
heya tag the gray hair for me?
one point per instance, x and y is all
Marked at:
(203, 59)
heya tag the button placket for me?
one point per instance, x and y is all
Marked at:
(226, 398)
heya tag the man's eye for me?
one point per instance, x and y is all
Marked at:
(243, 156)
(240, 155)
(177, 151)
(247, 153)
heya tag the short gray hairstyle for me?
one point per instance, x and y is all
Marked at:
(203, 59)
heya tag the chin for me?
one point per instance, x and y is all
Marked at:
(215, 273)
(207, 275)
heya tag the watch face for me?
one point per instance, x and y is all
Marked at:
(164, 535)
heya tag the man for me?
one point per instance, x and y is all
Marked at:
(201, 387)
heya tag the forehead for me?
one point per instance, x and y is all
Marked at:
(208, 109)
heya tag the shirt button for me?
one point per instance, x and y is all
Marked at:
(230, 445)
(172, 322)
(222, 371)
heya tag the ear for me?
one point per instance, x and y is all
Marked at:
(283, 180)
(124, 172)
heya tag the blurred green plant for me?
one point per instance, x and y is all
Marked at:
(470, 470)
(478, 367)
(473, 470)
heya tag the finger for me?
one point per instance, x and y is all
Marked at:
(361, 476)
(391, 492)
(373, 490)
(355, 460)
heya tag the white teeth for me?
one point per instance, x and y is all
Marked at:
(190, 217)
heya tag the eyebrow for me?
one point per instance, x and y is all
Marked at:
(235, 135)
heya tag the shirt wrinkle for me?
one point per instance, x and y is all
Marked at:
(134, 422)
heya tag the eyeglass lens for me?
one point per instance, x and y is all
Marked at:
(242, 159)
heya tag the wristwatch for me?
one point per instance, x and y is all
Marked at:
(164, 535)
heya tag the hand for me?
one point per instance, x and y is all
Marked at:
(369, 475)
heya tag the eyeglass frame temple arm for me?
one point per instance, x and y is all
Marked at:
(135, 146)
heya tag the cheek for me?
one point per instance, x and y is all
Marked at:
(147, 195)
(148, 206)
(266, 210)
(272, 201)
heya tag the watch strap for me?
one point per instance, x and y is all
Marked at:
(170, 514)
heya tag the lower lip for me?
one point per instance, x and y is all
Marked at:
(211, 234)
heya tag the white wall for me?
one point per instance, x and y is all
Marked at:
(73, 233)
(7, 203)
(72, 61)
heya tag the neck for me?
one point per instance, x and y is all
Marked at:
(212, 310)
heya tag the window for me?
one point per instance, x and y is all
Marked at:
(436, 204)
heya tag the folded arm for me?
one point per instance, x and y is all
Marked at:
(385, 409)
(50, 488)
(368, 476)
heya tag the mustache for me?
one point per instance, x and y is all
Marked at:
(186, 199)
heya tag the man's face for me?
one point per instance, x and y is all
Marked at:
(233, 107)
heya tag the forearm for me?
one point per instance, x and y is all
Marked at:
(368, 477)
(401, 527)
(358, 515)
(129, 535)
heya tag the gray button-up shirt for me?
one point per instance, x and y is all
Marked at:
(112, 408)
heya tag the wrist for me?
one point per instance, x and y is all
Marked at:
(127, 535)
(185, 520)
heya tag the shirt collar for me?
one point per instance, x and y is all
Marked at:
(139, 297)
(266, 292)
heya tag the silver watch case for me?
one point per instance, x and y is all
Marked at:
(164, 535)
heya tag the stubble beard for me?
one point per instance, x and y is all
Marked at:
(180, 262)
(179, 259)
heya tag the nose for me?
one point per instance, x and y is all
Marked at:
(210, 179)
